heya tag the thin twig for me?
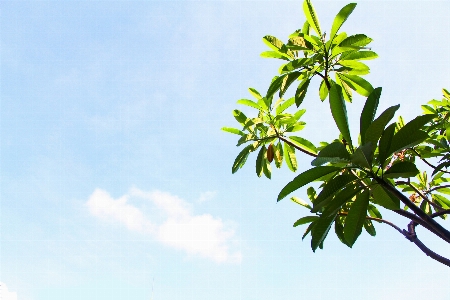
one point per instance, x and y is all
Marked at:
(425, 161)
(437, 207)
(295, 146)
(439, 187)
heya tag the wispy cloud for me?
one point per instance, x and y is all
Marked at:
(180, 228)
(206, 196)
(5, 294)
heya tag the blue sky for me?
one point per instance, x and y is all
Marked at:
(110, 141)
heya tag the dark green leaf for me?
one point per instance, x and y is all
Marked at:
(339, 111)
(385, 143)
(259, 161)
(320, 230)
(334, 152)
(345, 87)
(242, 157)
(305, 220)
(240, 117)
(278, 155)
(376, 128)
(305, 178)
(340, 18)
(341, 198)
(308, 230)
(267, 170)
(339, 230)
(363, 156)
(356, 217)
(384, 198)
(289, 157)
(374, 212)
(402, 169)
(368, 225)
(301, 92)
(275, 86)
(331, 188)
(311, 16)
(368, 113)
(295, 64)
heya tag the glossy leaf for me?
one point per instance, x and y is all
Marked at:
(287, 81)
(285, 105)
(305, 178)
(334, 152)
(305, 220)
(358, 84)
(359, 55)
(275, 54)
(311, 16)
(340, 18)
(278, 155)
(385, 143)
(240, 117)
(339, 111)
(289, 157)
(242, 158)
(331, 188)
(404, 169)
(296, 64)
(255, 93)
(250, 103)
(384, 198)
(374, 212)
(275, 85)
(273, 42)
(357, 40)
(368, 226)
(267, 170)
(356, 218)
(259, 161)
(355, 67)
(304, 144)
(368, 113)
(323, 90)
(347, 91)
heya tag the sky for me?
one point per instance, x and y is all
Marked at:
(116, 178)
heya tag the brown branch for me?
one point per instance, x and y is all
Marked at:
(439, 187)
(437, 207)
(378, 220)
(295, 146)
(425, 161)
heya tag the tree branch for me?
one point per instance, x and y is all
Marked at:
(437, 207)
(295, 146)
(425, 161)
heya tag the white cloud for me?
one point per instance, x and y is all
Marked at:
(5, 294)
(206, 196)
(180, 228)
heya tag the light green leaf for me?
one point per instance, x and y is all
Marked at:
(339, 112)
(340, 18)
(368, 113)
(356, 67)
(275, 85)
(249, 103)
(240, 117)
(305, 178)
(295, 64)
(304, 144)
(305, 220)
(287, 81)
(275, 54)
(404, 169)
(358, 40)
(359, 55)
(356, 217)
(306, 28)
(233, 130)
(255, 93)
(345, 87)
(301, 91)
(301, 202)
(358, 84)
(311, 16)
(285, 105)
(289, 157)
(273, 42)
(323, 90)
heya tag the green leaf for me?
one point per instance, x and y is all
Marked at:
(275, 54)
(259, 161)
(363, 156)
(305, 178)
(304, 144)
(273, 42)
(278, 155)
(311, 16)
(289, 157)
(320, 230)
(242, 157)
(339, 230)
(358, 84)
(305, 220)
(334, 152)
(301, 91)
(244, 139)
(233, 130)
(356, 67)
(385, 143)
(249, 103)
(308, 230)
(384, 198)
(287, 81)
(340, 18)
(374, 212)
(345, 87)
(267, 170)
(301, 202)
(275, 85)
(341, 198)
(306, 28)
(255, 93)
(296, 64)
(410, 134)
(357, 40)
(359, 55)
(285, 105)
(368, 113)
(376, 128)
(331, 188)
(356, 217)
(240, 117)
(368, 225)
(402, 169)
(339, 111)
(323, 90)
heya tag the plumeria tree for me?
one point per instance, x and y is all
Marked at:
(354, 178)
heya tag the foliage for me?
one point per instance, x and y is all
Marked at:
(355, 177)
